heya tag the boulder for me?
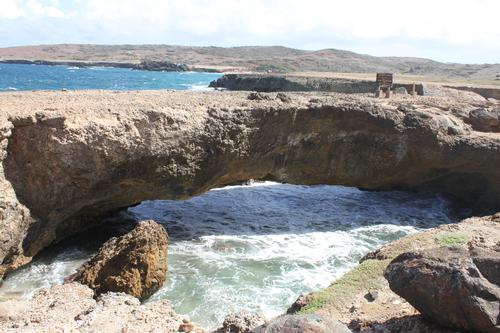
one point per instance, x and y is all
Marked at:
(452, 286)
(485, 120)
(309, 323)
(135, 263)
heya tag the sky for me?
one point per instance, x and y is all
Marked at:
(465, 31)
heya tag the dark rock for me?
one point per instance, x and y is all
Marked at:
(302, 301)
(372, 295)
(310, 323)
(453, 287)
(164, 66)
(135, 263)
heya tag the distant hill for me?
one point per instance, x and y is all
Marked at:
(254, 58)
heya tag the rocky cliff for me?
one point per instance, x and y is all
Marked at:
(69, 158)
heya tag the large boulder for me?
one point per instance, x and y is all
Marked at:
(453, 286)
(135, 263)
(309, 323)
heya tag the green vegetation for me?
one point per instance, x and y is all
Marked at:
(452, 239)
(365, 276)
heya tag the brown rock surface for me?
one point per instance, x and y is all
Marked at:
(135, 263)
(72, 308)
(69, 158)
(447, 286)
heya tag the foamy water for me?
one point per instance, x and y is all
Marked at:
(257, 247)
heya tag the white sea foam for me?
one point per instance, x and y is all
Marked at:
(258, 246)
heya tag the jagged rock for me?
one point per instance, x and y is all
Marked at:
(310, 323)
(241, 322)
(452, 286)
(72, 308)
(69, 159)
(299, 303)
(135, 263)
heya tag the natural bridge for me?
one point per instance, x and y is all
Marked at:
(69, 158)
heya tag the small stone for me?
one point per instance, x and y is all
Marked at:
(372, 295)
(186, 327)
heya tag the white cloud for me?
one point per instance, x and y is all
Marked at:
(13, 9)
(453, 21)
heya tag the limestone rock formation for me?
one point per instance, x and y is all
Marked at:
(135, 263)
(67, 159)
(309, 323)
(453, 286)
(72, 308)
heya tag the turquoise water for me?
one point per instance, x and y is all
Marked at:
(41, 77)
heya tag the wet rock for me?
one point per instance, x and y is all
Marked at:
(452, 286)
(241, 322)
(135, 263)
(310, 323)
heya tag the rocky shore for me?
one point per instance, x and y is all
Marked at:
(71, 158)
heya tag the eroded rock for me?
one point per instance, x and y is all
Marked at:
(72, 308)
(452, 286)
(135, 263)
(241, 322)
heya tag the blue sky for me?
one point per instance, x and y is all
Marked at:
(466, 31)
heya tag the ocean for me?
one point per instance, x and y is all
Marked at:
(41, 77)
